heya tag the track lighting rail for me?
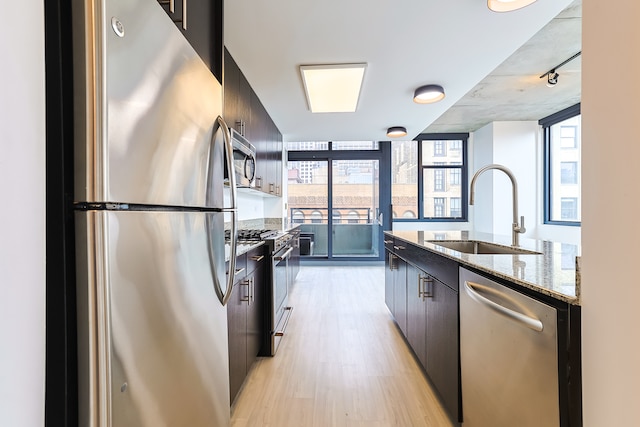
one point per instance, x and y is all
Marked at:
(553, 70)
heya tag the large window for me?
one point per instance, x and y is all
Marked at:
(428, 179)
(334, 191)
(562, 142)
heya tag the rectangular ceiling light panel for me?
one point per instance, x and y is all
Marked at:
(333, 88)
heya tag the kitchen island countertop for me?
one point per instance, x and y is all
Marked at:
(552, 273)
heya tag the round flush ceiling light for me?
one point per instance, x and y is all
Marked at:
(396, 131)
(507, 5)
(428, 94)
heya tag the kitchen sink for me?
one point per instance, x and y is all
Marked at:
(480, 247)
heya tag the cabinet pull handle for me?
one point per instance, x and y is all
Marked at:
(391, 256)
(247, 298)
(425, 291)
(238, 271)
(388, 241)
(184, 14)
(253, 290)
(171, 3)
(257, 258)
(398, 248)
(172, 9)
(259, 182)
(272, 188)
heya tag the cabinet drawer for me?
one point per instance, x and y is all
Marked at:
(254, 258)
(241, 267)
(388, 243)
(444, 269)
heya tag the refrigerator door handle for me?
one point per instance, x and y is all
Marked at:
(228, 150)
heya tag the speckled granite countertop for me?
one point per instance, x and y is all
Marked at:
(552, 273)
(242, 248)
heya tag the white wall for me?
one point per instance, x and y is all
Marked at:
(250, 206)
(514, 145)
(481, 213)
(22, 251)
(610, 235)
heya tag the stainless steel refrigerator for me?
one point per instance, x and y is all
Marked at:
(151, 150)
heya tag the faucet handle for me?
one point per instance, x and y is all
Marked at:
(521, 229)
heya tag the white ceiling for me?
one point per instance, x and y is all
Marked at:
(407, 44)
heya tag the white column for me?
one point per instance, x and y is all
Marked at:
(22, 218)
(610, 235)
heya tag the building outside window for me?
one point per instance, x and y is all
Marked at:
(568, 173)
(568, 136)
(297, 217)
(353, 217)
(454, 176)
(456, 207)
(562, 159)
(438, 207)
(439, 148)
(337, 217)
(316, 217)
(438, 180)
(569, 206)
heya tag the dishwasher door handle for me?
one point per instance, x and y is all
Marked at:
(529, 322)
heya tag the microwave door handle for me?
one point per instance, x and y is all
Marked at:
(230, 164)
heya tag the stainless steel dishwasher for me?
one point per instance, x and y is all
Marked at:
(508, 356)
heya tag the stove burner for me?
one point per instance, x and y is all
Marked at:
(250, 235)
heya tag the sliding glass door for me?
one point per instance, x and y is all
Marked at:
(335, 197)
(355, 197)
(308, 202)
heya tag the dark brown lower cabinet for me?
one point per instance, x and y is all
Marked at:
(417, 312)
(442, 337)
(432, 332)
(388, 280)
(426, 311)
(245, 311)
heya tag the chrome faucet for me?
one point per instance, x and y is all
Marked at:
(516, 228)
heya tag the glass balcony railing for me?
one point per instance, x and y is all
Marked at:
(350, 237)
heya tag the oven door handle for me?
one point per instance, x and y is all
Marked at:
(284, 255)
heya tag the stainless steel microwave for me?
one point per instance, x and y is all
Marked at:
(244, 159)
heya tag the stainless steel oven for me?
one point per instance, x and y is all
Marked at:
(280, 247)
(280, 308)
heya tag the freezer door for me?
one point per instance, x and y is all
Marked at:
(151, 109)
(153, 344)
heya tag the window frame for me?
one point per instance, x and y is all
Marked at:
(382, 154)
(421, 168)
(547, 123)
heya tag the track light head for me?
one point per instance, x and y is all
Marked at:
(552, 78)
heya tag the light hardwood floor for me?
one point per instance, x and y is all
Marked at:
(341, 363)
